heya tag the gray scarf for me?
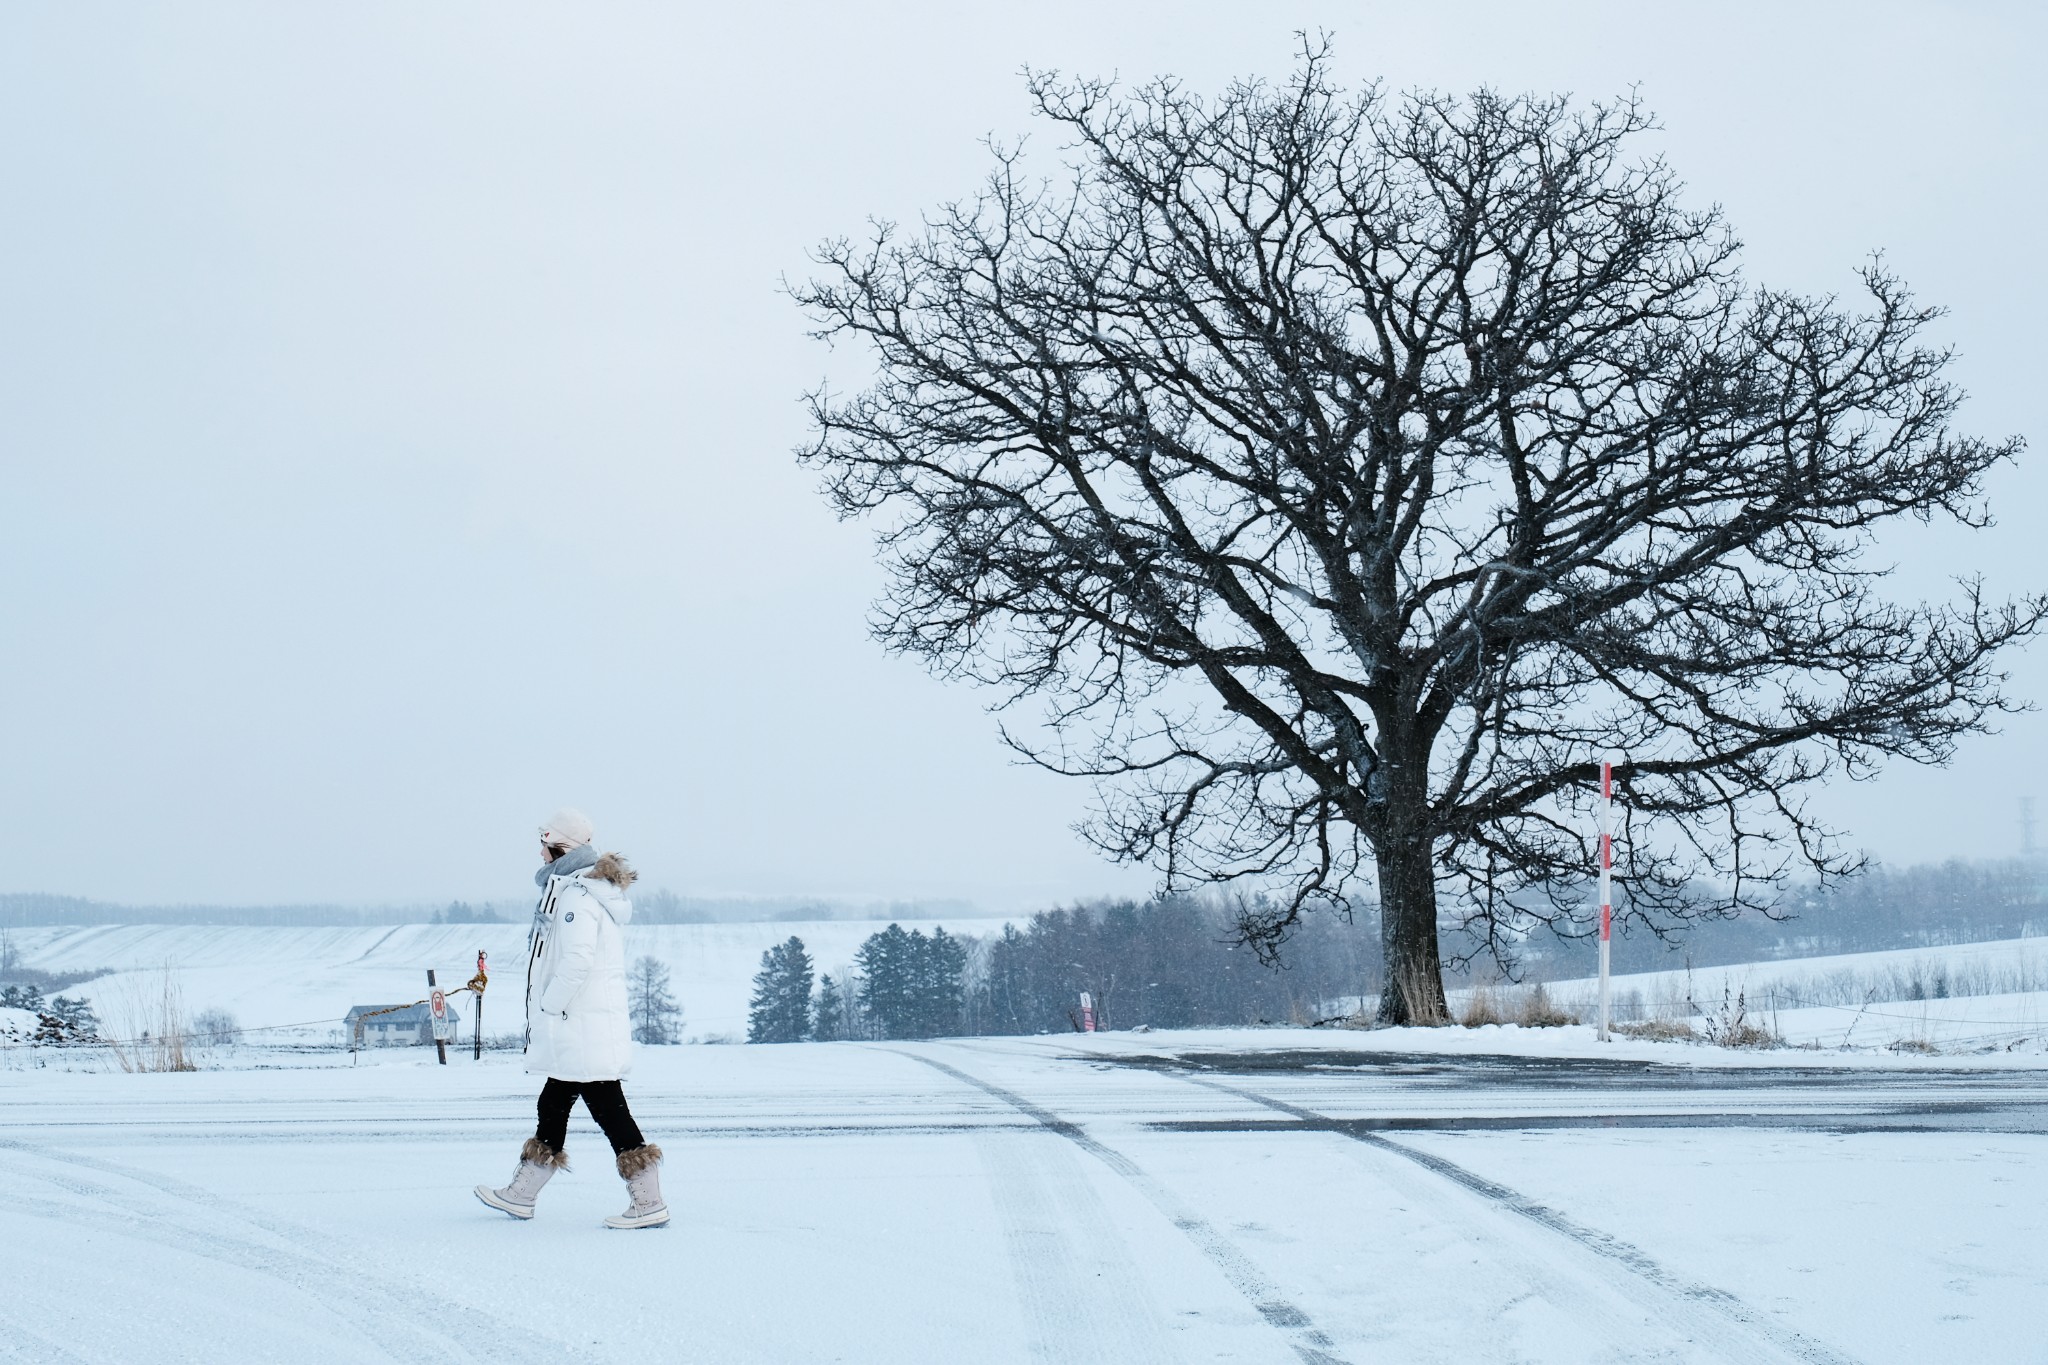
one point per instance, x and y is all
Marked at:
(568, 865)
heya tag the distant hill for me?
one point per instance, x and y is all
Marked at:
(22, 910)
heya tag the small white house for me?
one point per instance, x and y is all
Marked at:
(402, 1026)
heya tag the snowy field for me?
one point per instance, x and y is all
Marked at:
(1252, 1195)
(309, 978)
(292, 986)
(1959, 998)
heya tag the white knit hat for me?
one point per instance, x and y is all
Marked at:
(568, 826)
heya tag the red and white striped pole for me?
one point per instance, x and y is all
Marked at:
(1606, 880)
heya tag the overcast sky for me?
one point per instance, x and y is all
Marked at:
(396, 405)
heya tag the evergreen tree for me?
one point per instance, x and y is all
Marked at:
(781, 1009)
(913, 986)
(1167, 963)
(831, 1024)
(888, 989)
(25, 997)
(656, 1016)
(941, 984)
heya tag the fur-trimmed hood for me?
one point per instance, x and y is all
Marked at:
(612, 867)
(610, 892)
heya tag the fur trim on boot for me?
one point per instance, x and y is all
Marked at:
(641, 1170)
(633, 1162)
(540, 1154)
(538, 1163)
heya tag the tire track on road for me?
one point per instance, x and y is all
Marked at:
(1073, 1271)
(1626, 1254)
(397, 1317)
(1307, 1340)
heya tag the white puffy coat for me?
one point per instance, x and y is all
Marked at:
(577, 1024)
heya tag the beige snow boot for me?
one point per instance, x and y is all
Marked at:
(641, 1170)
(538, 1163)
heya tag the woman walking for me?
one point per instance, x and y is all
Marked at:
(578, 1031)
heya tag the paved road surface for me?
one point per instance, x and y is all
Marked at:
(1029, 1200)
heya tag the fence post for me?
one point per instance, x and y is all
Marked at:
(477, 1051)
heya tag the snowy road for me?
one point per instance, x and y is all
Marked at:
(1162, 1198)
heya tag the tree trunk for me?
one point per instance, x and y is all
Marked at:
(1413, 989)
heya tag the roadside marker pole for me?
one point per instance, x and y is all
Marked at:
(1606, 881)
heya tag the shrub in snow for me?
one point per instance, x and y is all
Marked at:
(216, 1028)
(1731, 1026)
(27, 997)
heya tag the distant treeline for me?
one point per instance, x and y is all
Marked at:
(1164, 963)
(1924, 906)
(666, 907)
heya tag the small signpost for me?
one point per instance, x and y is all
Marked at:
(444, 1023)
(1087, 1012)
(477, 992)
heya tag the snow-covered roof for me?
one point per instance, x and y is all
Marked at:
(399, 1014)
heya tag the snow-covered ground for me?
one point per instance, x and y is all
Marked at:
(309, 978)
(1456, 1195)
(1251, 1195)
(2016, 964)
(1979, 996)
(1959, 998)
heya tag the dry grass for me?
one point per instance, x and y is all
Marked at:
(1482, 1007)
(149, 1028)
(1531, 1007)
(1538, 1010)
(1732, 1025)
(1656, 1030)
(1423, 995)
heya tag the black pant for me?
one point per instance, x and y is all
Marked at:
(606, 1101)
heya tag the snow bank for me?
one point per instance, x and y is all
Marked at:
(17, 1026)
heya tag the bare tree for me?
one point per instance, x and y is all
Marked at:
(657, 1018)
(1345, 474)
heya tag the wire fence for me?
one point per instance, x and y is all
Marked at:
(197, 1036)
